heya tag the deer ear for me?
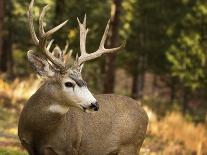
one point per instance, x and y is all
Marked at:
(41, 66)
(57, 52)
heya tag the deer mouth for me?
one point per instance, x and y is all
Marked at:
(83, 108)
(88, 109)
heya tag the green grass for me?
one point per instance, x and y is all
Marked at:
(9, 151)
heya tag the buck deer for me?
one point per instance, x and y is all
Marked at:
(59, 119)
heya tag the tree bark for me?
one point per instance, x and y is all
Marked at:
(142, 69)
(185, 99)
(59, 17)
(59, 11)
(173, 90)
(1, 31)
(135, 86)
(142, 84)
(138, 81)
(6, 55)
(110, 66)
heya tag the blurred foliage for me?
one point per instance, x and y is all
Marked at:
(167, 39)
(187, 54)
(171, 36)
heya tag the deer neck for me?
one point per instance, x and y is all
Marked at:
(58, 109)
(52, 101)
(46, 111)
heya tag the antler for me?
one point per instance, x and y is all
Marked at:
(101, 50)
(43, 36)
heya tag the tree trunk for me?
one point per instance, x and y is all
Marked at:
(173, 90)
(59, 11)
(1, 31)
(135, 86)
(110, 68)
(138, 82)
(142, 84)
(6, 57)
(59, 17)
(142, 69)
(7, 47)
(185, 100)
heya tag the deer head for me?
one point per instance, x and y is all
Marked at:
(55, 66)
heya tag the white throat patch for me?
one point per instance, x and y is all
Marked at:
(56, 108)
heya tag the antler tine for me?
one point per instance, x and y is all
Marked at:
(31, 25)
(50, 44)
(67, 55)
(83, 34)
(101, 50)
(41, 43)
(50, 32)
(68, 59)
(44, 37)
(105, 35)
(41, 20)
(41, 24)
(66, 48)
(70, 53)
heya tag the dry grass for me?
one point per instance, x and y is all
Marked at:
(13, 94)
(174, 135)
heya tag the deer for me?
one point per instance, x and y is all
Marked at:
(63, 117)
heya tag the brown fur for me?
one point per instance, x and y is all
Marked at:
(119, 127)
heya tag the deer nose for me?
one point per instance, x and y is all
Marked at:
(94, 106)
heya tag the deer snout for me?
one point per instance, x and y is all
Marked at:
(94, 106)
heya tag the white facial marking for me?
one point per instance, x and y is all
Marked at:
(84, 95)
(79, 95)
(56, 108)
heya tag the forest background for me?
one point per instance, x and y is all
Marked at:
(163, 65)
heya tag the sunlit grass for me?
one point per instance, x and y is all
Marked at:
(13, 96)
(19, 88)
(11, 151)
(173, 134)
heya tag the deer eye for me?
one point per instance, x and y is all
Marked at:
(69, 84)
